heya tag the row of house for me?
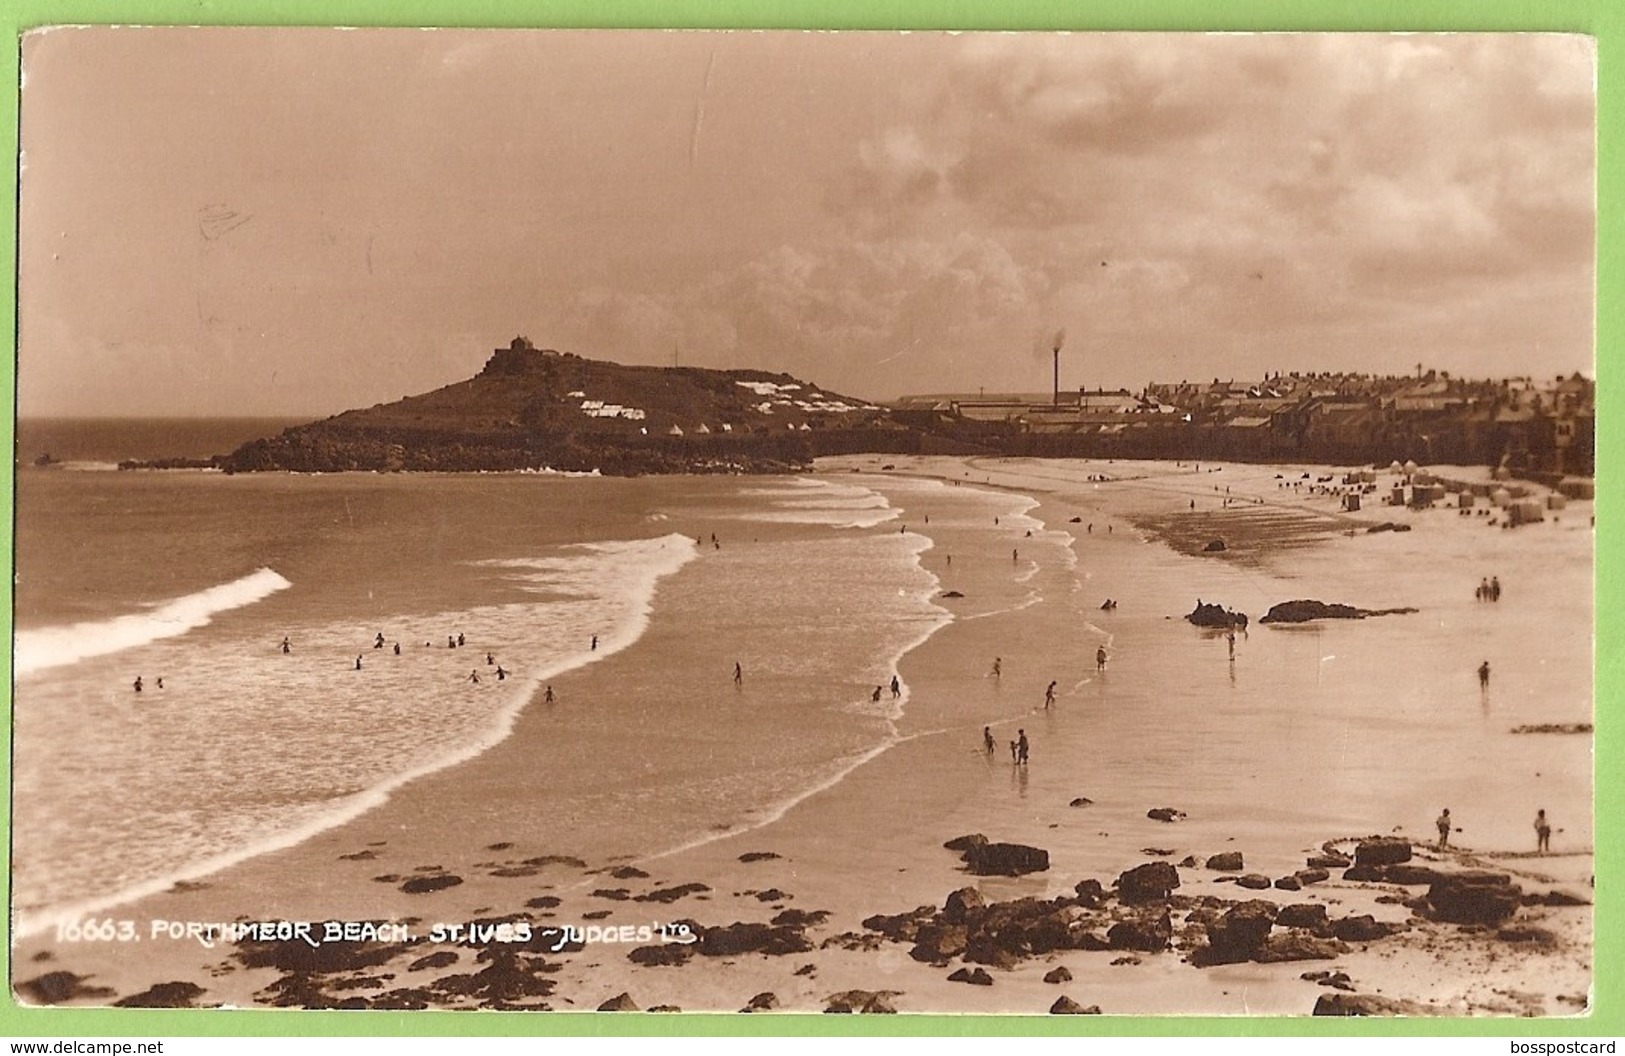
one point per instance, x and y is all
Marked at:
(1532, 425)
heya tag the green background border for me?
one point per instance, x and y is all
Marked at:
(1604, 19)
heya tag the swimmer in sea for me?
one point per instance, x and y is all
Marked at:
(501, 674)
(286, 647)
(378, 642)
(474, 677)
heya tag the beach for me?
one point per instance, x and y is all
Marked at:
(764, 837)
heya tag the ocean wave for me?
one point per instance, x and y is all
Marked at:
(48, 647)
(602, 589)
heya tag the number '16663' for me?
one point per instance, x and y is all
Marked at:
(93, 930)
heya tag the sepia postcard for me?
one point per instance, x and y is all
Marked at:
(777, 521)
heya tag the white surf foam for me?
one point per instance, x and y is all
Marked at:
(48, 647)
(623, 575)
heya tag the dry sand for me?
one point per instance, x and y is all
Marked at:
(871, 844)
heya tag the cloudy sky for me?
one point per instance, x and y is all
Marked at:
(266, 221)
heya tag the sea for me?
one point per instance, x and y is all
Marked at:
(620, 610)
(421, 614)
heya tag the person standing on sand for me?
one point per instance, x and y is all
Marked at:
(1484, 590)
(1543, 832)
(1495, 588)
(739, 675)
(987, 739)
(1484, 675)
(875, 698)
(547, 698)
(1049, 695)
(378, 642)
(397, 648)
(896, 687)
(997, 666)
(286, 647)
(1021, 747)
(1442, 823)
(595, 645)
(1100, 658)
(358, 663)
(1230, 640)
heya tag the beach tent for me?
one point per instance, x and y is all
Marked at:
(1411, 466)
(1465, 500)
(1501, 473)
(1395, 467)
(675, 430)
(1501, 497)
(1526, 511)
(1557, 501)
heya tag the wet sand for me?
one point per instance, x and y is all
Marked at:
(1252, 756)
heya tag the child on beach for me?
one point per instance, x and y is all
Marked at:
(1543, 832)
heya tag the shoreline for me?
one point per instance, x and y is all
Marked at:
(832, 851)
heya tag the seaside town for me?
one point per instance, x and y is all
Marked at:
(1533, 426)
